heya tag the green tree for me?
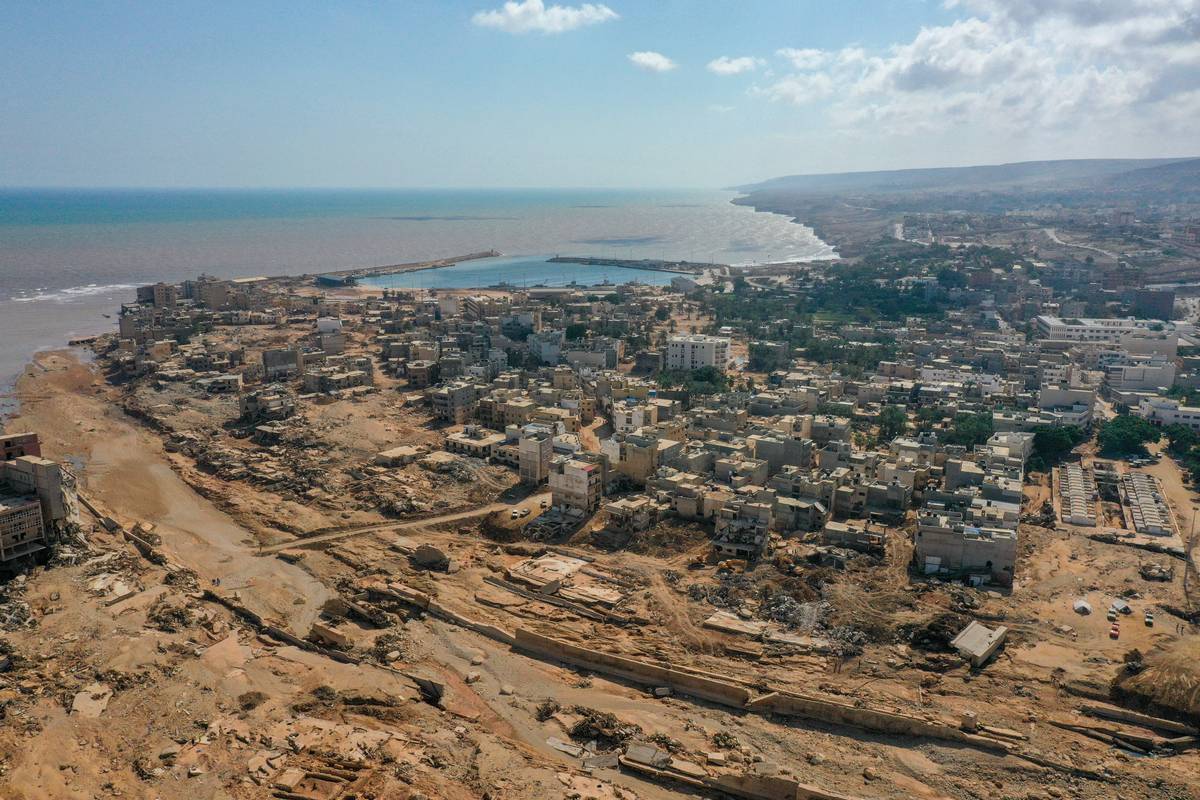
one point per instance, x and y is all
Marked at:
(892, 423)
(1127, 435)
(576, 330)
(662, 313)
(970, 429)
(1050, 443)
(1181, 439)
(951, 278)
(702, 381)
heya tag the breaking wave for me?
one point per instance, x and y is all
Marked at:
(71, 294)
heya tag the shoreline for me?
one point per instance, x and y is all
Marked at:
(56, 317)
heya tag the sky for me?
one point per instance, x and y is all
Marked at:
(624, 93)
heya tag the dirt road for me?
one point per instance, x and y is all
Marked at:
(333, 536)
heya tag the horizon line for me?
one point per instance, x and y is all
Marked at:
(332, 188)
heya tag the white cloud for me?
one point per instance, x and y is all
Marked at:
(725, 65)
(806, 58)
(1014, 66)
(799, 89)
(535, 15)
(652, 61)
(720, 109)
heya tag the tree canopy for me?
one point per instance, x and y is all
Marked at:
(970, 429)
(893, 422)
(1127, 435)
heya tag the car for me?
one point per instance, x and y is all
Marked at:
(545, 504)
(515, 514)
(1149, 620)
(1112, 615)
(1114, 632)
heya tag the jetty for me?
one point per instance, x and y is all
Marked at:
(682, 267)
(347, 277)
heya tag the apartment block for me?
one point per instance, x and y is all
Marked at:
(694, 351)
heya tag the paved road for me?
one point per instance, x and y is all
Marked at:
(531, 502)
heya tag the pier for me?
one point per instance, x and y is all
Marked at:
(682, 267)
(346, 277)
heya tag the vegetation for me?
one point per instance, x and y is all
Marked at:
(892, 423)
(850, 358)
(1127, 435)
(702, 381)
(576, 331)
(1187, 397)
(1183, 444)
(970, 429)
(1052, 444)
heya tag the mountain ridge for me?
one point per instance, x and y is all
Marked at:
(1014, 176)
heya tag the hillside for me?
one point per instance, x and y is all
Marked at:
(1176, 178)
(1022, 176)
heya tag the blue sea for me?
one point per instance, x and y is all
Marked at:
(67, 257)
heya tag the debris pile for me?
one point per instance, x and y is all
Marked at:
(170, 615)
(601, 727)
(389, 647)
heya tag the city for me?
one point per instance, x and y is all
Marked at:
(600, 400)
(648, 527)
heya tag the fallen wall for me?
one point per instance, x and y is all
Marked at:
(642, 672)
(887, 722)
(398, 591)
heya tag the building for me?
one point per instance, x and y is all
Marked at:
(15, 445)
(854, 537)
(162, 295)
(693, 351)
(399, 456)
(1088, 330)
(1070, 406)
(1167, 411)
(1147, 505)
(741, 529)
(422, 373)
(474, 441)
(546, 346)
(454, 402)
(269, 403)
(578, 481)
(945, 544)
(632, 515)
(1077, 495)
(281, 363)
(627, 417)
(1154, 303)
(1140, 374)
(535, 447)
(21, 530)
(33, 503)
(212, 293)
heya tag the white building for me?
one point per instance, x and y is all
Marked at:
(1113, 331)
(1070, 405)
(693, 351)
(1140, 374)
(628, 417)
(1165, 411)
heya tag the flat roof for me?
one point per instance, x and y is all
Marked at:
(14, 502)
